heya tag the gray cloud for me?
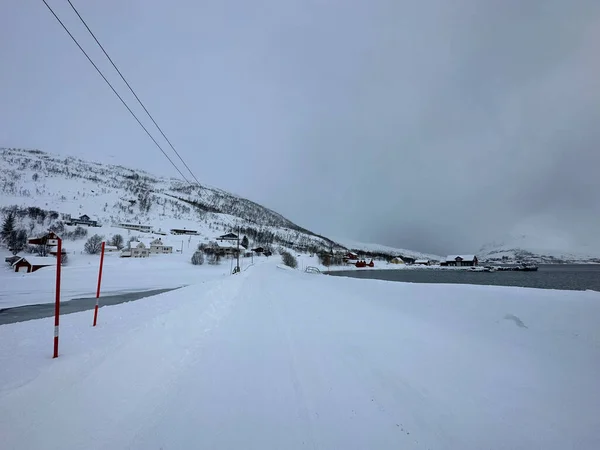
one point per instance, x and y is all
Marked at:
(435, 125)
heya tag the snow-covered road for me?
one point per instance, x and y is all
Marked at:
(274, 359)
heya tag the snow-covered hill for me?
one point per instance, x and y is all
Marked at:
(378, 248)
(538, 249)
(58, 186)
(115, 194)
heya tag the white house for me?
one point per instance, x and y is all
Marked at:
(158, 246)
(110, 249)
(136, 250)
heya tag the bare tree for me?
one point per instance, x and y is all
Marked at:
(93, 245)
(117, 241)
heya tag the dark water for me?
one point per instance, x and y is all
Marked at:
(576, 277)
(31, 312)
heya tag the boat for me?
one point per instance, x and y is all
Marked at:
(527, 268)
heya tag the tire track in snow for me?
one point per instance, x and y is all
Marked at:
(283, 327)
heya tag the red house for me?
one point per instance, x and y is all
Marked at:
(30, 264)
(50, 239)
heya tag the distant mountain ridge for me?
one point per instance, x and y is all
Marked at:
(527, 248)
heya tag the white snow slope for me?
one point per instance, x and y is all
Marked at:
(393, 251)
(278, 359)
(115, 194)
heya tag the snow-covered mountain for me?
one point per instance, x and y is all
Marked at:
(112, 194)
(383, 249)
(115, 194)
(541, 250)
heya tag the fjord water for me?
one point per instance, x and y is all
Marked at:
(576, 277)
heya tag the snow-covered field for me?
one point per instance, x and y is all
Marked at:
(275, 358)
(79, 278)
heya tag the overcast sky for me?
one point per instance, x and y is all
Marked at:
(435, 125)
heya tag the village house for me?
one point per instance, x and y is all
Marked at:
(83, 220)
(460, 261)
(422, 262)
(397, 260)
(110, 249)
(49, 239)
(228, 237)
(28, 264)
(350, 258)
(158, 247)
(136, 227)
(226, 248)
(183, 231)
(135, 249)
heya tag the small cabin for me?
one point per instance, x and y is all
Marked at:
(228, 237)
(28, 264)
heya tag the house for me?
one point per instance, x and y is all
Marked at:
(397, 260)
(136, 227)
(110, 249)
(226, 248)
(183, 231)
(228, 237)
(83, 220)
(422, 262)
(350, 258)
(28, 264)
(136, 250)
(408, 259)
(157, 246)
(50, 239)
(460, 261)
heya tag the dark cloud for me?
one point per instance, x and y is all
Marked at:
(436, 125)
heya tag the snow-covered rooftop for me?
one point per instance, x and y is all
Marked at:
(38, 260)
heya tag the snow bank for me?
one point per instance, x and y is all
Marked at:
(276, 358)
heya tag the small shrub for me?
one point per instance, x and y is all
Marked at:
(198, 258)
(289, 259)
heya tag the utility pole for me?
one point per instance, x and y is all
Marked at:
(237, 268)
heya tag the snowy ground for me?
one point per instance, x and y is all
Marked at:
(274, 358)
(79, 278)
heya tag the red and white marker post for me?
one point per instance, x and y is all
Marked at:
(57, 301)
(99, 282)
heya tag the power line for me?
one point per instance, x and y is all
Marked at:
(115, 92)
(132, 91)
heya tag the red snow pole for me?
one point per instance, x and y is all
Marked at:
(57, 302)
(99, 281)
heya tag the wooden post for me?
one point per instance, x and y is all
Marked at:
(99, 282)
(57, 299)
